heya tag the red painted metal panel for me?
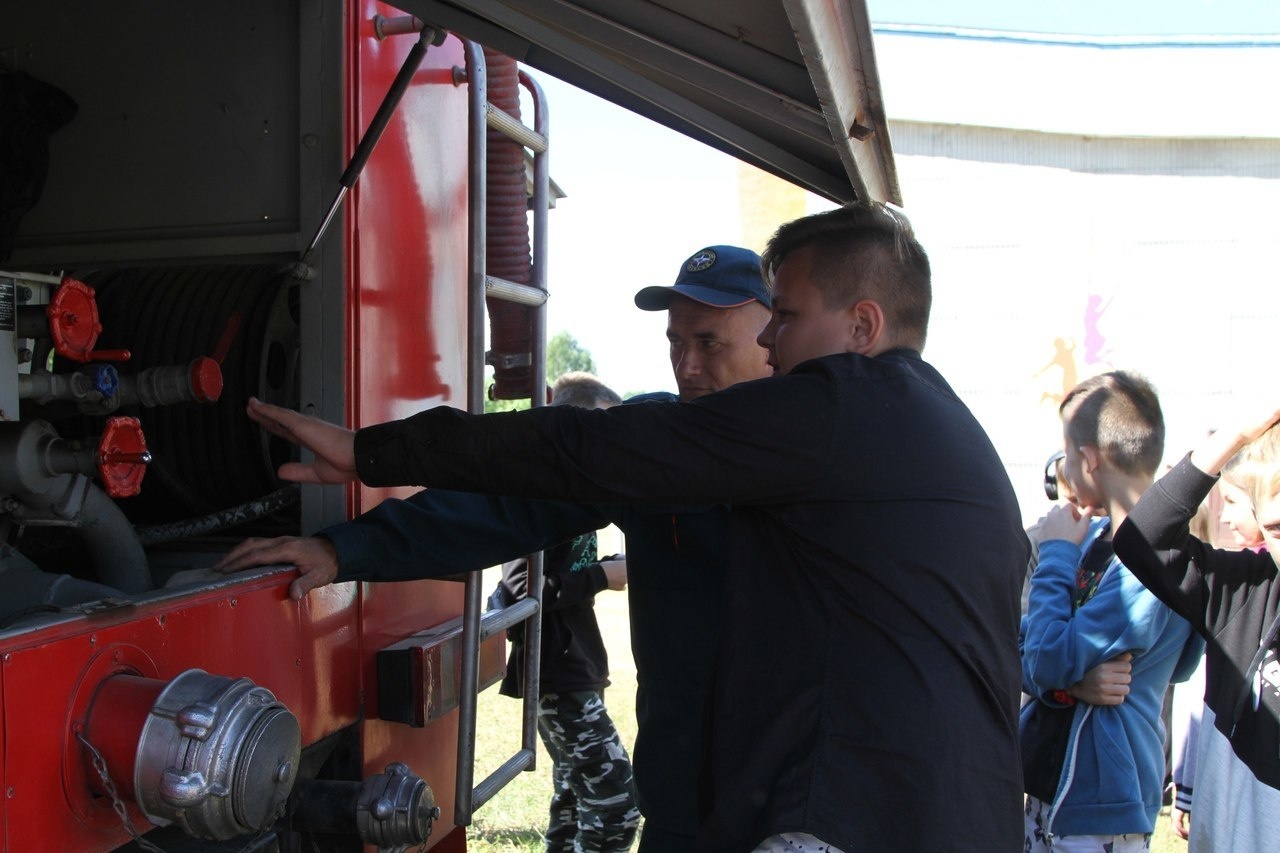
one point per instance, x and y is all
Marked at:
(409, 244)
(407, 275)
(407, 320)
(5, 838)
(250, 629)
(454, 842)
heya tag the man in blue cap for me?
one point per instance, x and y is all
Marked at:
(866, 678)
(676, 556)
(713, 347)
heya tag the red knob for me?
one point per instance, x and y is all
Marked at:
(73, 319)
(74, 325)
(206, 380)
(122, 457)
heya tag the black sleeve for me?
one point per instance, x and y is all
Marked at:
(761, 441)
(437, 533)
(570, 588)
(1204, 585)
(561, 585)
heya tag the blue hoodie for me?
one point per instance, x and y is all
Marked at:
(1113, 776)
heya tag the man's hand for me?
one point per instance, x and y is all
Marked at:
(616, 572)
(333, 446)
(315, 559)
(1067, 521)
(1105, 684)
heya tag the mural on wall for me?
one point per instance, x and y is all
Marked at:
(1095, 343)
(1073, 363)
(1064, 359)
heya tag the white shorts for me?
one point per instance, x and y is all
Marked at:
(1037, 813)
(795, 842)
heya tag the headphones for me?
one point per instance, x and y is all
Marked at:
(1051, 474)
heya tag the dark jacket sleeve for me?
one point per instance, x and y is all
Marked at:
(559, 589)
(761, 441)
(1204, 585)
(437, 533)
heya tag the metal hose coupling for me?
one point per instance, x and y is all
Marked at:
(395, 810)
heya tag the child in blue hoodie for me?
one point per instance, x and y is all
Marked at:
(1105, 778)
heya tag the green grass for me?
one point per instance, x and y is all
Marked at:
(512, 822)
(1164, 840)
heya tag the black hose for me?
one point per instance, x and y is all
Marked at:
(244, 513)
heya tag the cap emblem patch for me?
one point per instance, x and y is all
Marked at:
(701, 261)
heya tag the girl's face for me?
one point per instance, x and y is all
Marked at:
(1268, 519)
(1237, 515)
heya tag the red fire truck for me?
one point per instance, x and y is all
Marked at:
(311, 202)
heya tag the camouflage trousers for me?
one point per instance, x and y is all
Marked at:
(593, 809)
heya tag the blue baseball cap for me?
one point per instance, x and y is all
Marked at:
(719, 276)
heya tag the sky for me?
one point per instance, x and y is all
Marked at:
(641, 198)
(1088, 17)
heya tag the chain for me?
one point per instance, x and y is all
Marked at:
(100, 765)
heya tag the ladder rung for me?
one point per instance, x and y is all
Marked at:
(495, 781)
(512, 128)
(510, 291)
(499, 620)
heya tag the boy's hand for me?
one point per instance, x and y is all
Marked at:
(1105, 684)
(616, 572)
(1067, 522)
(1181, 822)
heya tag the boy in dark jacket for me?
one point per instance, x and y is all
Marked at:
(593, 807)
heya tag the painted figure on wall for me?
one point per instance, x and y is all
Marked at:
(1064, 358)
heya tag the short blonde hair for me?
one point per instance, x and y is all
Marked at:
(1258, 471)
(582, 389)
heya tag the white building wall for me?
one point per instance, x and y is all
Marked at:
(1057, 256)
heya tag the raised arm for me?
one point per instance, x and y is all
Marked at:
(1216, 450)
(1197, 581)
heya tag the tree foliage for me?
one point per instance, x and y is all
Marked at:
(565, 355)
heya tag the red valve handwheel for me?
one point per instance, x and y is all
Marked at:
(123, 457)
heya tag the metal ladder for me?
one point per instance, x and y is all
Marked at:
(482, 115)
(478, 627)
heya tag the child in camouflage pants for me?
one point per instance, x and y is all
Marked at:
(593, 808)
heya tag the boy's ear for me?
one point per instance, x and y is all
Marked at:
(866, 327)
(1092, 458)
